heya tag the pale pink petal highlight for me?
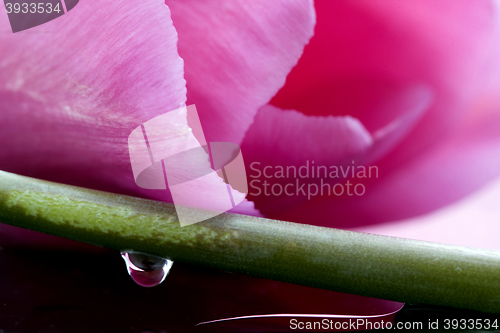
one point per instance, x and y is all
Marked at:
(367, 49)
(442, 175)
(204, 180)
(73, 89)
(287, 138)
(237, 54)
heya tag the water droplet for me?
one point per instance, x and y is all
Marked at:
(146, 270)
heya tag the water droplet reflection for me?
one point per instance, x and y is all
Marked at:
(146, 270)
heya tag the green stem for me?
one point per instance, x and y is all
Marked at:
(383, 267)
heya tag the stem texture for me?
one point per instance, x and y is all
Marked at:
(364, 264)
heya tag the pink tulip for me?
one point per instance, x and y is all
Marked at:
(409, 88)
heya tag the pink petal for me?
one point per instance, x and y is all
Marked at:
(237, 54)
(364, 51)
(73, 89)
(288, 138)
(411, 103)
(292, 139)
(449, 171)
(472, 221)
(367, 55)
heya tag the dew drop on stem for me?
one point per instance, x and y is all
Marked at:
(146, 270)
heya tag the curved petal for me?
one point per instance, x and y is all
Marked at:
(365, 50)
(411, 103)
(73, 89)
(281, 146)
(289, 139)
(449, 171)
(237, 54)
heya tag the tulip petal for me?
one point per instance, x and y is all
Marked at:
(321, 141)
(364, 50)
(73, 89)
(365, 53)
(237, 54)
(411, 103)
(288, 140)
(446, 173)
(472, 222)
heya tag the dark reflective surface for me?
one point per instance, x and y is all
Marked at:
(56, 291)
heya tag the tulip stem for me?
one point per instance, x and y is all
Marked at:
(364, 264)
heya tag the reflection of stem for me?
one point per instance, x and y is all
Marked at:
(377, 266)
